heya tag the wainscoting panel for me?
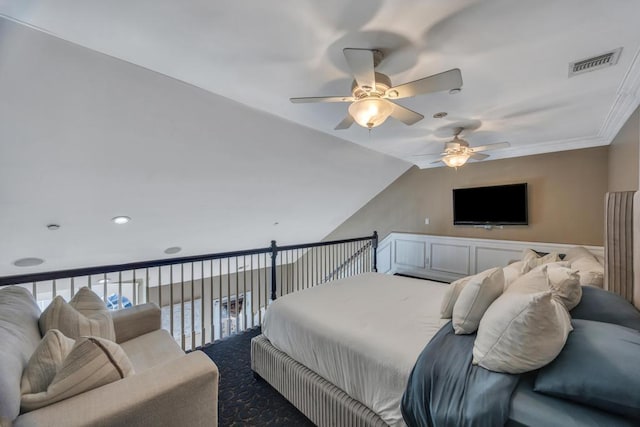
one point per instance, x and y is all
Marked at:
(384, 258)
(410, 253)
(450, 258)
(491, 257)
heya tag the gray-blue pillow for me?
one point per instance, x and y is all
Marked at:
(597, 367)
(603, 306)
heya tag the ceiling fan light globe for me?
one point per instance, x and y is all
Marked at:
(370, 112)
(455, 160)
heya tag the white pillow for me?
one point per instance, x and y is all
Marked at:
(521, 332)
(91, 363)
(591, 272)
(45, 361)
(512, 272)
(85, 315)
(451, 296)
(563, 283)
(531, 259)
(578, 252)
(474, 299)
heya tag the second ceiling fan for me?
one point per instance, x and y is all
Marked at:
(372, 94)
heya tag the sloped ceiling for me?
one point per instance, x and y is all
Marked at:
(177, 113)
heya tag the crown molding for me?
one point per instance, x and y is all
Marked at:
(626, 101)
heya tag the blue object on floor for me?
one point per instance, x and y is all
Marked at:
(112, 302)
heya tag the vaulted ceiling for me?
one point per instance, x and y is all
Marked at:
(178, 114)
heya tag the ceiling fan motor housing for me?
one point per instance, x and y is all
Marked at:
(383, 83)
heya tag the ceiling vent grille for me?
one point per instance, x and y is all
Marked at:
(594, 63)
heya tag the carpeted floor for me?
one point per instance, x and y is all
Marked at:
(243, 400)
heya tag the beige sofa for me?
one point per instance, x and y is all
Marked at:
(168, 388)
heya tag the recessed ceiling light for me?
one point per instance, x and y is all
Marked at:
(173, 250)
(53, 227)
(455, 91)
(121, 219)
(440, 115)
(28, 262)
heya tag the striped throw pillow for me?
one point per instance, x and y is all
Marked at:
(91, 363)
(85, 315)
(45, 362)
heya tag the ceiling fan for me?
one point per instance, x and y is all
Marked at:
(457, 151)
(372, 92)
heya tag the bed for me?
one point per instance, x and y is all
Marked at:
(309, 352)
(344, 359)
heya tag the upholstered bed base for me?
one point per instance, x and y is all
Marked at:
(322, 402)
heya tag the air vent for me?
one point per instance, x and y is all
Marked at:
(594, 63)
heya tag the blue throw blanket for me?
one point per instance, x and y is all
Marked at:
(445, 389)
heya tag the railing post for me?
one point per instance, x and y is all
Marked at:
(374, 245)
(274, 256)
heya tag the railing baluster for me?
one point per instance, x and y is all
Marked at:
(253, 296)
(202, 313)
(212, 312)
(104, 287)
(73, 288)
(228, 318)
(220, 298)
(244, 290)
(171, 320)
(135, 289)
(237, 305)
(193, 309)
(119, 289)
(182, 326)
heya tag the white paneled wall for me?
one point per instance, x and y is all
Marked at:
(450, 258)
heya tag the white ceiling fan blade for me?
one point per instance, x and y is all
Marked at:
(490, 147)
(322, 99)
(345, 123)
(361, 63)
(437, 161)
(405, 115)
(447, 80)
(478, 156)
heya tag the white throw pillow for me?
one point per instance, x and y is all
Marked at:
(91, 363)
(85, 315)
(521, 332)
(578, 252)
(531, 259)
(512, 272)
(563, 283)
(45, 361)
(474, 299)
(451, 296)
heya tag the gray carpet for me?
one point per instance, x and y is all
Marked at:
(243, 400)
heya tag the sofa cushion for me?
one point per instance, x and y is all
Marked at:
(19, 337)
(85, 315)
(45, 362)
(151, 349)
(92, 363)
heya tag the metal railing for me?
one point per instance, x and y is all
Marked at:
(209, 297)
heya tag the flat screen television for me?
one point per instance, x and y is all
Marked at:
(496, 205)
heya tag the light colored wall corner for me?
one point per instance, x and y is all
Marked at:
(624, 156)
(566, 193)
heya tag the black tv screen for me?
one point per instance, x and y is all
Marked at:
(496, 205)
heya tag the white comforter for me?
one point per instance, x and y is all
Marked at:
(363, 334)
